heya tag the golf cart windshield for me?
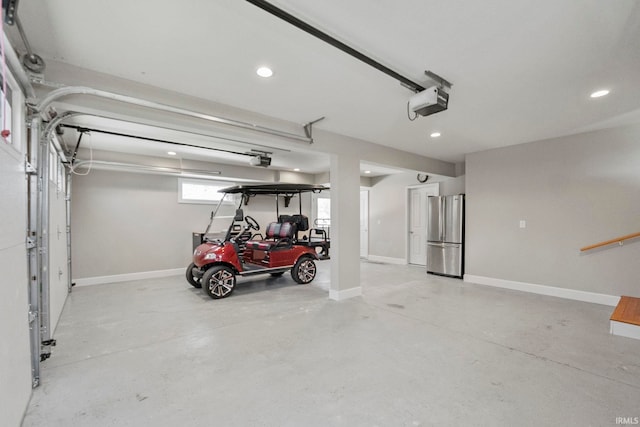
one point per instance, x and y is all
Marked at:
(222, 217)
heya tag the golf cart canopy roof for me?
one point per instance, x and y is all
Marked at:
(273, 189)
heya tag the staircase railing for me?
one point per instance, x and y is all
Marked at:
(618, 240)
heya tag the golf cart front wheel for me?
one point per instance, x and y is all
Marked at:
(304, 271)
(219, 281)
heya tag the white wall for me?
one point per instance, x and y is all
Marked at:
(572, 192)
(388, 211)
(452, 186)
(15, 368)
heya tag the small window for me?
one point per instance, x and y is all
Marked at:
(200, 191)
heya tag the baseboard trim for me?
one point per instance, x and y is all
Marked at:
(624, 330)
(553, 291)
(100, 280)
(387, 260)
(345, 294)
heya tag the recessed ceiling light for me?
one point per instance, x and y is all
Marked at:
(264, 72)
(296, 170)
(367, 172)
(599, 93)
(435, 134)
(171, 153)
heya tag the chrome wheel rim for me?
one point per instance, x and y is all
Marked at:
(307, 271)
(221, 283)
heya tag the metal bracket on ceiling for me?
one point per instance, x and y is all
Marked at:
(254, 152)
(439, 80)
(32, 62)
(10, 7)
(308, 128)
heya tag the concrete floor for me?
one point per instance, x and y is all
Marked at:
(415, 350)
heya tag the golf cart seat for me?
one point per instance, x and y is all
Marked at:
(277, 234)
(301, 221)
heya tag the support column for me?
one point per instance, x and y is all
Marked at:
(345, 228)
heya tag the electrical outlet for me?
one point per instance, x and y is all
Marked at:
(523, 223)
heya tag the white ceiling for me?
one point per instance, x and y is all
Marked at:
(522, 69)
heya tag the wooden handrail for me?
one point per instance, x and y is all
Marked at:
(610, 242)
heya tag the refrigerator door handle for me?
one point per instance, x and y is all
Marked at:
(441, 223)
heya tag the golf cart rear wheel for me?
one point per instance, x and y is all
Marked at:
(304, 271)
(193, 281)
(219, 281)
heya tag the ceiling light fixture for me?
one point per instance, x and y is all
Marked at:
(600, 93)
(435, 134)
(296, 170)
(171, 153)
(367, 172)
(264, 72)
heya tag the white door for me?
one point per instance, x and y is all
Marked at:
(418, 222)
(364, 224)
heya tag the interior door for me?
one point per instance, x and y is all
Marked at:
(364, 224)
(418, 222)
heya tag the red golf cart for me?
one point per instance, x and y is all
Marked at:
(242, 250)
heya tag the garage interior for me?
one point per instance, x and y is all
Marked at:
(111, 110)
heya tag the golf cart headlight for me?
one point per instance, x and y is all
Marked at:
(212, 257)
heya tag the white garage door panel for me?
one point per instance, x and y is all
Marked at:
(58, 282)
(15, 369)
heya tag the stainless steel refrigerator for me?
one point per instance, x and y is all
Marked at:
(445, 235)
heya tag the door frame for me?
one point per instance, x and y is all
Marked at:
(407, 220)
(366, 192)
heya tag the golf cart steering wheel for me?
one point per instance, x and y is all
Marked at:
(252, 223)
